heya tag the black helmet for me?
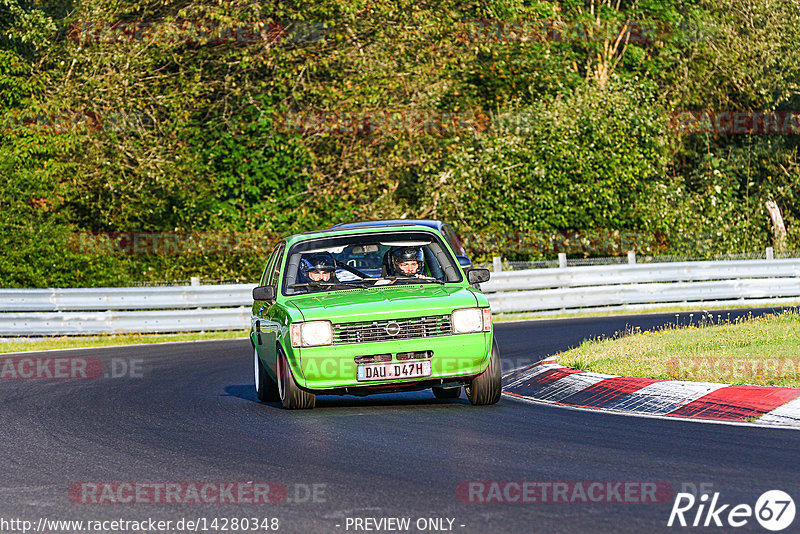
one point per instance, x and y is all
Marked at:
(397, 255)
(317, 261)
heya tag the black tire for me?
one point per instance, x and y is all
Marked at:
(487, 386)
(446, 393)
(291, 396)
(266, 387)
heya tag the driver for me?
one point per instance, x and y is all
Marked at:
(406, 261)
(317, 267)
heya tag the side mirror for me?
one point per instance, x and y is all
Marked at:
(476, 276)
(264, 293)
(464, 262)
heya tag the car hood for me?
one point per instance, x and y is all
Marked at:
(384, 303)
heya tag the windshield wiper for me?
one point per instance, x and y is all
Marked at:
(360, 283)
(416, 279)
(320, 285)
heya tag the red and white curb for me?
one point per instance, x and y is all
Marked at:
(550, 382)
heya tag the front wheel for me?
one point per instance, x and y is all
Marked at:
(292, 397)
(487, 386)
(266, 387)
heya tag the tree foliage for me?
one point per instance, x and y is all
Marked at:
(232, 119)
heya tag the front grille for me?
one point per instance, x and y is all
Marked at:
(414, 328)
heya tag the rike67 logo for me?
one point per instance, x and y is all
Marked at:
(774, 510)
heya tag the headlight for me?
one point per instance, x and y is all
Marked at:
(467, 320)
(312, 333)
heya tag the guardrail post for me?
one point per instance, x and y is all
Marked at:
(497, 264)
(631, 257)
(562, 260)
(770, 253)
(195, 280)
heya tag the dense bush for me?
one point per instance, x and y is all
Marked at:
(223, 125)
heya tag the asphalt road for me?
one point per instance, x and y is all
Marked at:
(187, 412)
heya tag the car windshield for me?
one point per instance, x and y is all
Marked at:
(367, 260)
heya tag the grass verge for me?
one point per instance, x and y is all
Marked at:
(66, 342)
(761, 351)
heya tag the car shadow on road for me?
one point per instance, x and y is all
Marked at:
(412, 398)
(244, 391)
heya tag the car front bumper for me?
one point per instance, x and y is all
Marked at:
(454, 359)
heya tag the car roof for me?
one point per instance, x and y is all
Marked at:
(344, 230)
(392, 222)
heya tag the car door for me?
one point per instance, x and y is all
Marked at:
(264, 325)
(273, 316)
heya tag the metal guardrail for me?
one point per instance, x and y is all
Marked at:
(640, 273)
(26, 312)
(112, 322)
(643, 285)
(124, 298)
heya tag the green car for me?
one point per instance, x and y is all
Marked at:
(379, 309)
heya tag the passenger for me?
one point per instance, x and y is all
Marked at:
(405, 261)
(317, 267)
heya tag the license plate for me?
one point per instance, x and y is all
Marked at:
(387, 371)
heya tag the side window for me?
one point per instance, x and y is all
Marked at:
(276, 266)
(270, 264)
(453, 240)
